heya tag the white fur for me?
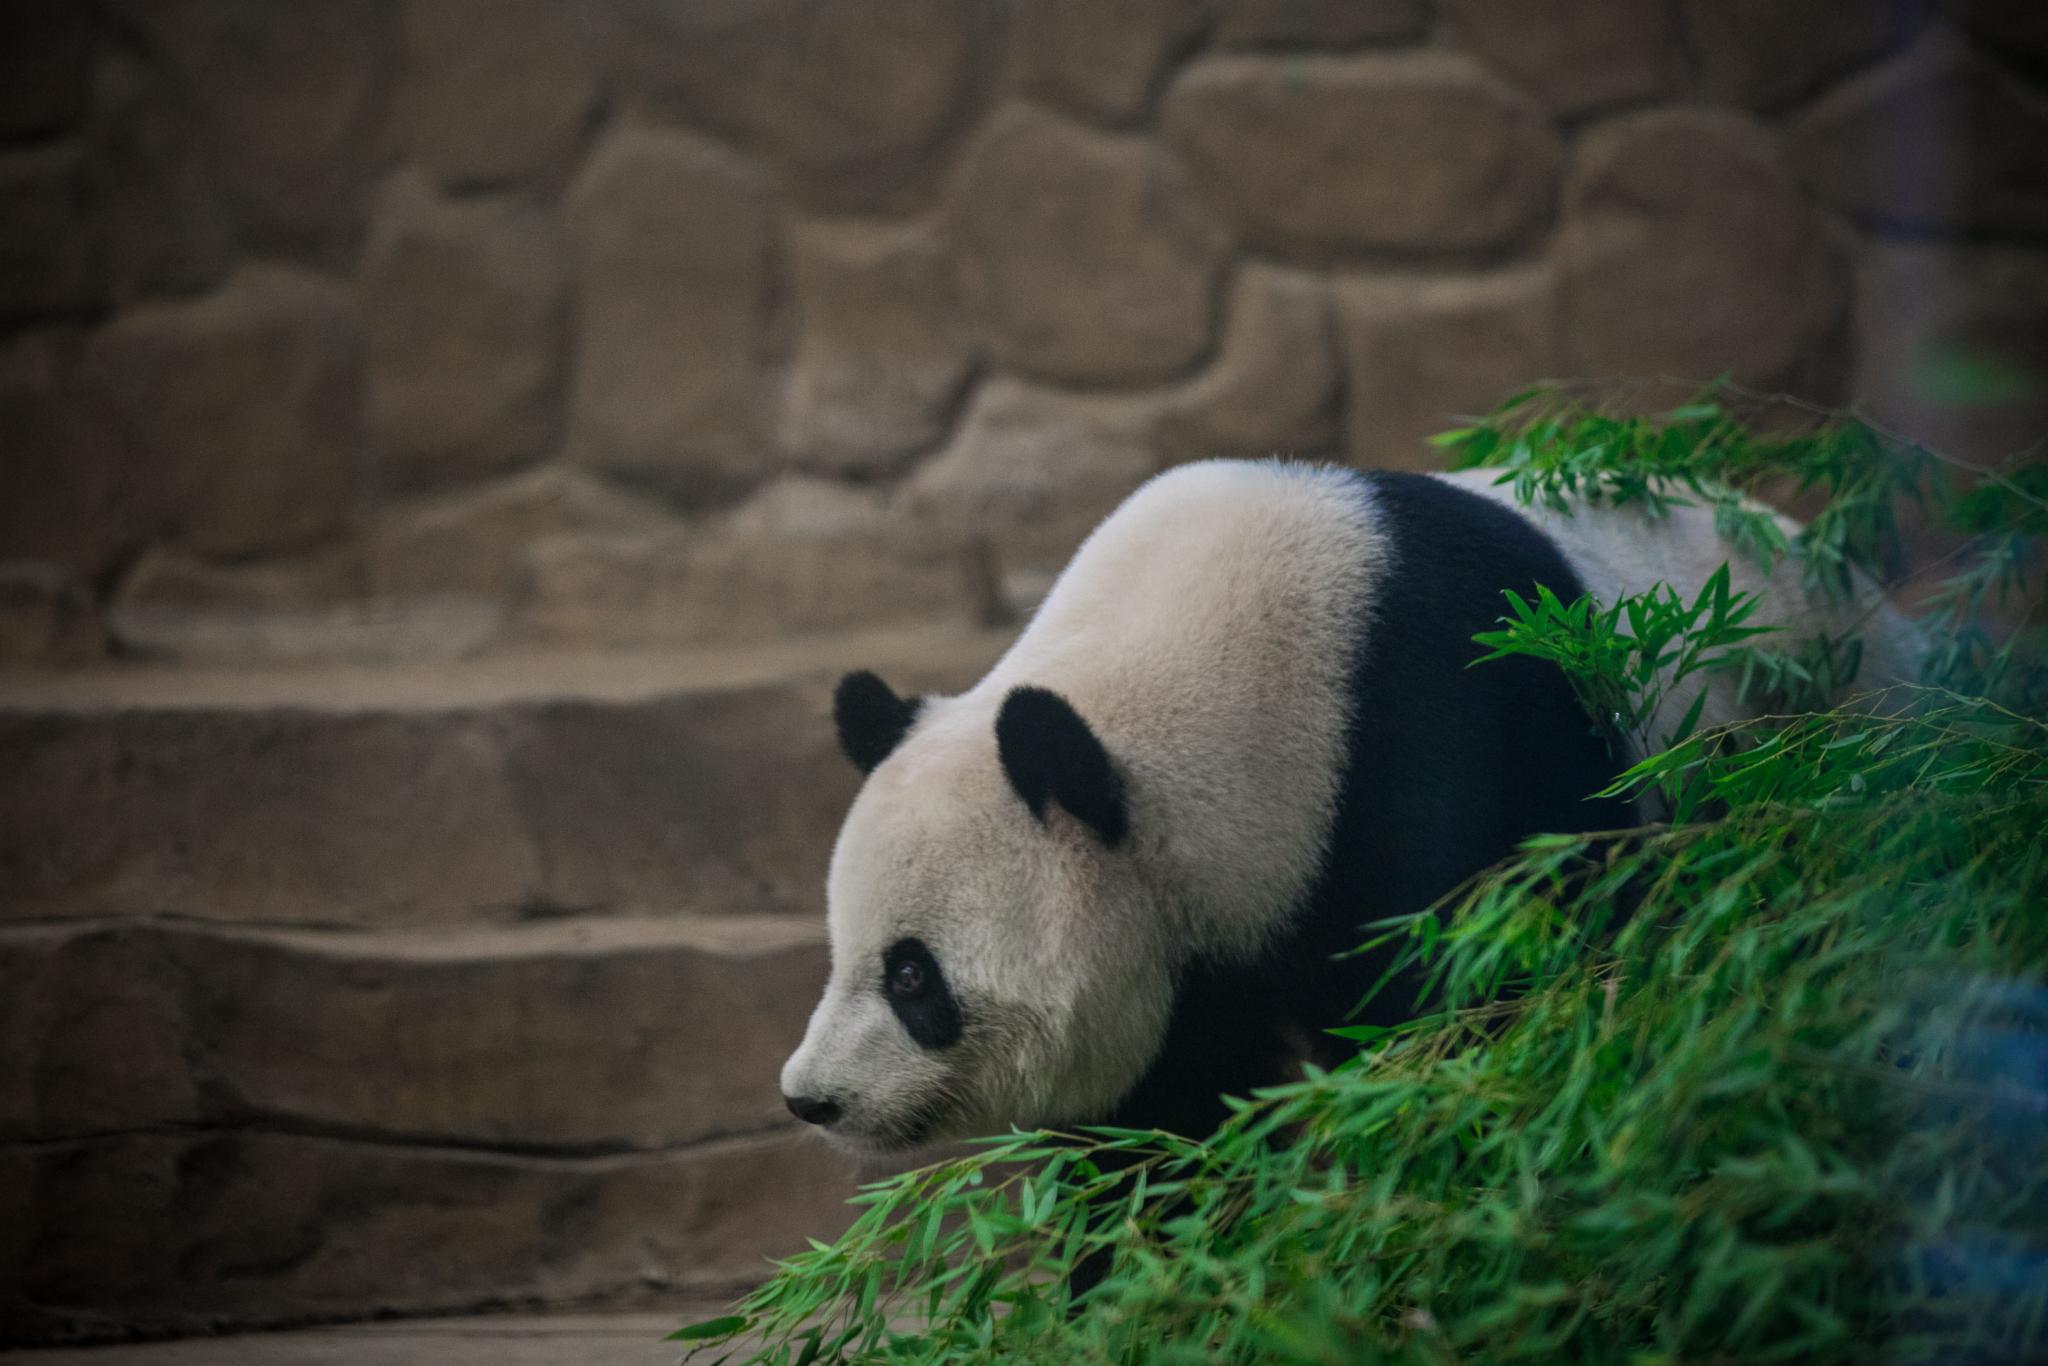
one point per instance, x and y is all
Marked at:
(1621, 551)
(1206, 632)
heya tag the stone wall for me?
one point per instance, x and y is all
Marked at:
(411, 327)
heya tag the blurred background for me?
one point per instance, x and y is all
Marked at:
(448, 448)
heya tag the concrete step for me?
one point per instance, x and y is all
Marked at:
(699, 781)
(571, 1038)
(610, 1339)
(184, 1233)
(205, 1126)
(414, 989)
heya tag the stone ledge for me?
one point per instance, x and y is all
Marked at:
(655, 783)
(655, 1033)
(159, 1235)
(633, 1337)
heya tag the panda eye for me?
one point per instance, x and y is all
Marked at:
(907, 977)
(914, 985)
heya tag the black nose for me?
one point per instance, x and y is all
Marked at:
(812, 1111)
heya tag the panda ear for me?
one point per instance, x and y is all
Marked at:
(1049, 754)
(871, 718)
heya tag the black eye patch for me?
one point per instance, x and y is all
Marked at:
(916, 990)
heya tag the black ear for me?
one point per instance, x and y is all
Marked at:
(1050, 755)
(871, 718)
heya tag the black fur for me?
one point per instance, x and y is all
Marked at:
(1050, 755)
(1447, 768)
(931, 1017)
(871, 718)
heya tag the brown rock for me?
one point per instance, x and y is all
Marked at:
(273, 816)
(713, 803)
(1689, 250)
(166, 231)
(1422, 352)
(848, 96)
(494, 91)
(1085, 254)
(238, 409)
(71, 498)
(1272, 389)
(48, 248)
(47, 616)
(477, 542)
(379, 798)
(2016, 30)
(1421, 151)
(45, 51)
(182, 1233)
(655, 1033)
(882, 352)
(1033, 470)
(802, 555)
(1769, 53)
(1937, 138)
(1952, 345)
(309, 608)
(1319, 23)
(94, 1037)
(164, 577)
(289, 101)
(674, 271)
(1103, 60)
(1576, 55)
(462, 306)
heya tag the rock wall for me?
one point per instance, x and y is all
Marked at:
(405, 327)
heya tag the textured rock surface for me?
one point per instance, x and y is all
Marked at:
(48, 252)
(1953, 345)
(1697, 215)
(1032, 469)
(1103, 61)
(47, 616)
(163, 226)
(415, 1038)
(800, 556)
(477, 541)
(847, 95)
(1421, 151)
(69, 498)
(1770, 52)
(1085, 254)
(2018, 29)
(1575, 55)
(495, 90)
(462, 307)
(174, 606)
(1272, 389)
(399, 818)
(236, 412)
(883, 349)
(1319, 23)
(275, 1228)
(45, 49)
(674, 263)
(303, 818)
(1936, 138)
(289, 101)
(1420, 353)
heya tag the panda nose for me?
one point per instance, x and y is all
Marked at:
(812, 1111)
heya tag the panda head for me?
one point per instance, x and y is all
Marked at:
(997, 956)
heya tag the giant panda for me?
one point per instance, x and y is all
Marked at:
(1110, 882)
